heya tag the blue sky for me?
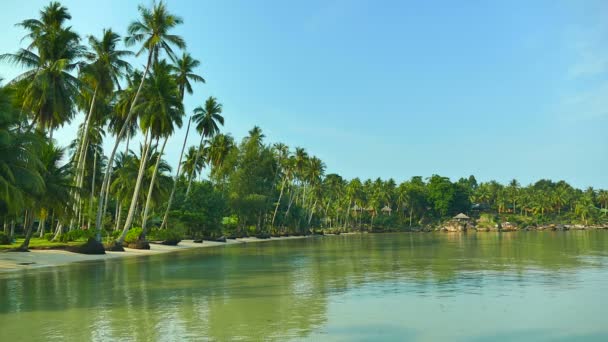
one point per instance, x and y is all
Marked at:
(498, 89)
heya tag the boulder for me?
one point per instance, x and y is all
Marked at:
(221, 239)
(92, 246)
(139, 244)
(454, 226)
(114, 247)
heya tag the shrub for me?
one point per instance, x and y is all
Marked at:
(4, 239)
(77, 234)
(167, 236)
(48, 236)
(133, 235)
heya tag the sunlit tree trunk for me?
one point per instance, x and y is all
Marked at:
(92, 197)
(179, 165)
(42, 224)
(122, 132)
(119, 205)
(198, 154)
(144, 221)
(276, 208)
(134, 199)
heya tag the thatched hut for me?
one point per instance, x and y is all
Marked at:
(461, 217)
(386, 210)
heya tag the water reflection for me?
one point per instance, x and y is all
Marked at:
(292, 289)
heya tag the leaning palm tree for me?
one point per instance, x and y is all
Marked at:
(153, 31)
(207, 119)
(162, 110)
(184, 70)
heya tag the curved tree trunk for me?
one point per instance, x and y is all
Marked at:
(28, 232)
(140, 176)
(41, 225)
(179, 165)
(198, 154)
(92, 197)
(276, 208)
(144, 221)
(122, 132)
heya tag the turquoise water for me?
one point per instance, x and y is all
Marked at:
(540, 286)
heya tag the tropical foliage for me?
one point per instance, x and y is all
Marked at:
(221, 185)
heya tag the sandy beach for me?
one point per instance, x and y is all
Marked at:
(16, 261)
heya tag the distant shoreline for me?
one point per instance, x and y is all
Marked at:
(41, 259)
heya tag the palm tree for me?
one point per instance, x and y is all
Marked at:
(184, 73)
(164, 111)
(19, 163)
(48, 89)
(184, 70)
(153, 31)
(207, 119)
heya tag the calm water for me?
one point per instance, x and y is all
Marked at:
(427, 287)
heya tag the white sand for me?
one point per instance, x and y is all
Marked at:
(15, 261)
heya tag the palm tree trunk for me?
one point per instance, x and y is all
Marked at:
(134, 199)
(150, 190)
(58, 231)
(198, 154)
(119, 205)
(82, 151)
(92, 197)
(122, 132)
(5, 227)
(411, 214)
(179, 165)
(12, 232)
(41, 225)
(105, 201)
(276, 208)
(312, 211)
(28, 232)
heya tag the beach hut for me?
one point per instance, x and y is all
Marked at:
(387, 210)
(461, 217)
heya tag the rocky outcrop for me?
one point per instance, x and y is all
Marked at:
(454, 226)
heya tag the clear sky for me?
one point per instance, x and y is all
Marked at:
(498, 89)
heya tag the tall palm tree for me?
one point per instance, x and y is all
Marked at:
(153, 32)
(48, 88)
(184, 70)
(207, 119)
(163, 110)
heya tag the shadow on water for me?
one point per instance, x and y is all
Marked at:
(283, 289)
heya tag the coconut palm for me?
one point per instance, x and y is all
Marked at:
(184, 70)
(207, 119)
(106, 66)
(48, 89)
(163, 110)
(184, 73)
(153, 32)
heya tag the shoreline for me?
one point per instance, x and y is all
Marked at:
(44, 258)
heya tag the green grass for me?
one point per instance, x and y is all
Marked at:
(37, 243)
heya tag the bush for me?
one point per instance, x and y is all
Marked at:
(4, 239)
(48, 236)
(133, 235)
(77, 234)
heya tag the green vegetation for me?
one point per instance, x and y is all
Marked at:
(254, 188)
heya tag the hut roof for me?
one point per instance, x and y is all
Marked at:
(387, 208)
(461, 216)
